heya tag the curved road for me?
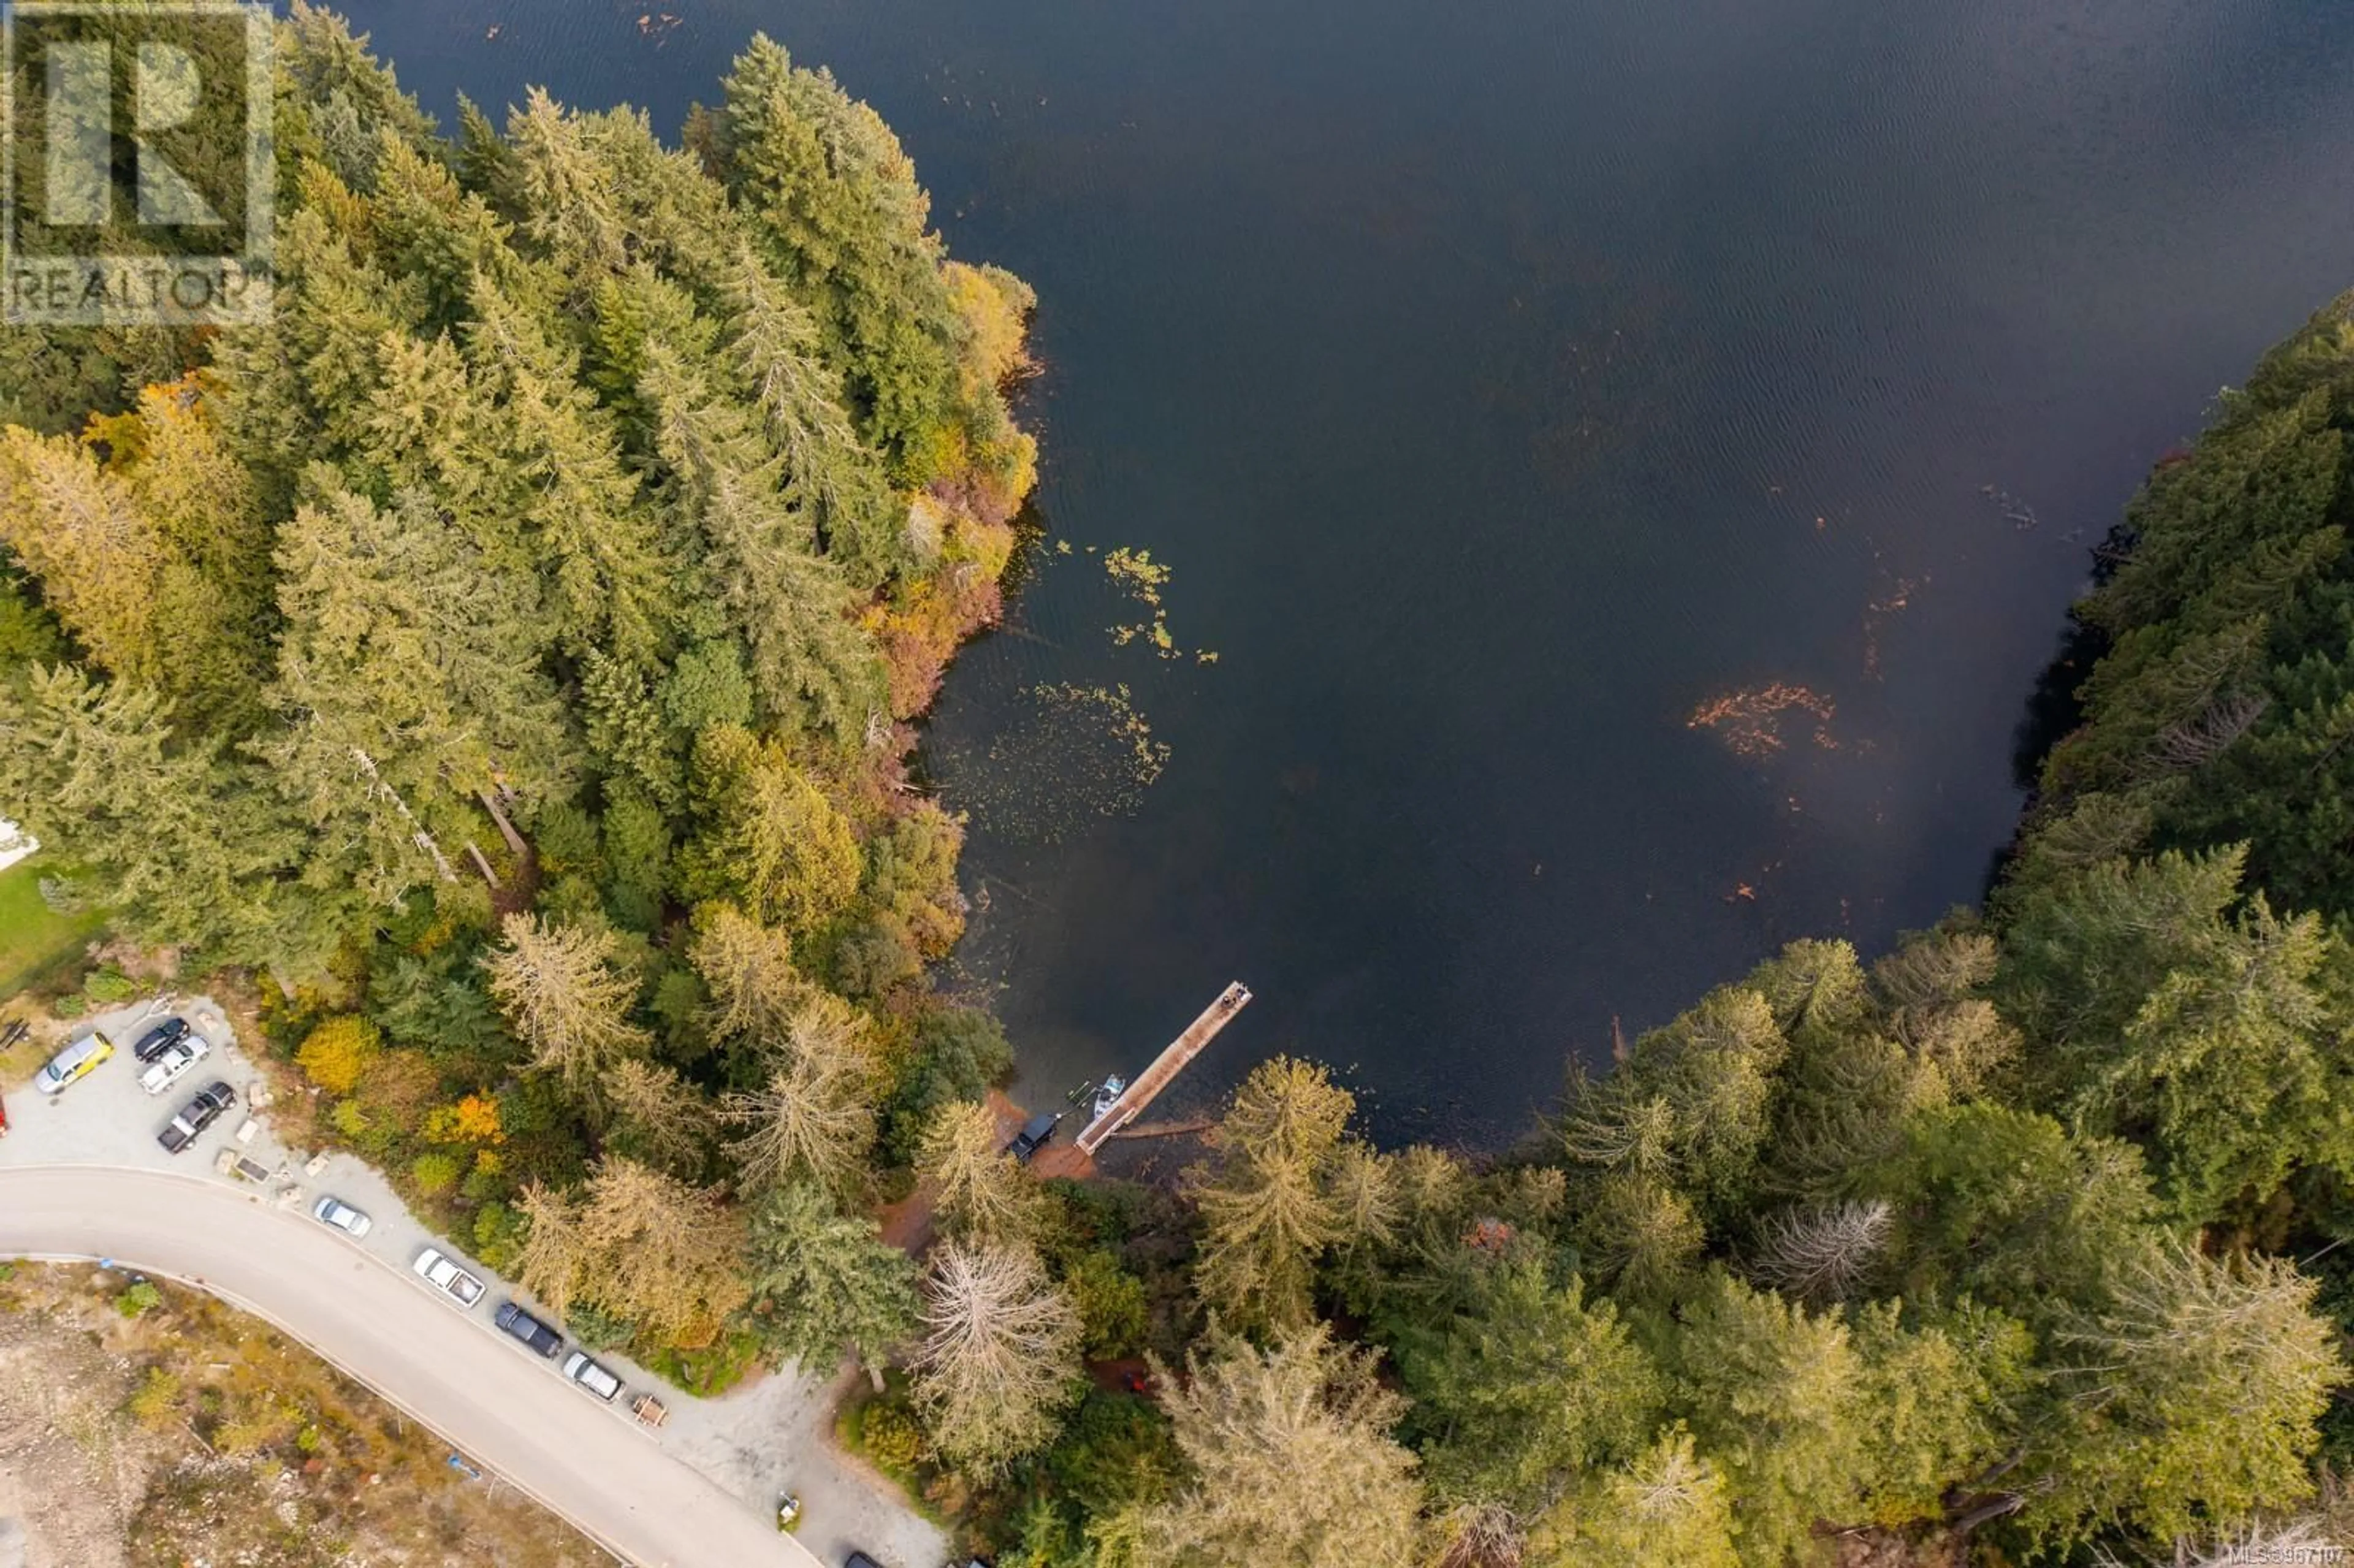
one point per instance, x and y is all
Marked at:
(495, 1402)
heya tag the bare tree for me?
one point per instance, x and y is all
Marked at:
(1822, 1253)
(815, 1113)
(1481, 1535)
(563, 998)
(999, 1356)
(2294, 1541)
(2195, 742)
(983, 1194)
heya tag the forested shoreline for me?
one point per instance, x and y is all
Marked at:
(507, 657)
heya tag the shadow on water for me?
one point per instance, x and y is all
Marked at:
(2054, 709)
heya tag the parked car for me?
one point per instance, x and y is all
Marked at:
(441, 1271)
(195, 1116)
(343, 1217)
(596, 1379)
(170, 1032)
(1033, 1136)
(73, 1064)
(860, 1560)
(542, 1338)
(173, 1063)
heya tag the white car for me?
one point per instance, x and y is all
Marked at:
(343, 1217)
(441, 1272)
(173, 1064)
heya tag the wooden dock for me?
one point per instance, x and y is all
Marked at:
(1165, 1067)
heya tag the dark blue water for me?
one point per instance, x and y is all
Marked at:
(1504, 383)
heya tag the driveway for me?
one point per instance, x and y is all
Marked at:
(82, 1176)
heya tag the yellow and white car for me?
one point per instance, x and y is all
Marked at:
(73, 1063)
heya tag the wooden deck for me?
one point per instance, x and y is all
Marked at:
(1165, 1068)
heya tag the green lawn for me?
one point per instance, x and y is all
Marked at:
(34, 940)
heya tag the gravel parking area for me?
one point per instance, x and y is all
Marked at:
(769, 1437)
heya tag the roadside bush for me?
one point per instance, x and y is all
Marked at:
(598, 1330)
(498, 1235)
(337, 1050)
(138, 1300)
(714, 1369)
(109, 986)
(890, 1437)
(72, 1006)
(435, 1173)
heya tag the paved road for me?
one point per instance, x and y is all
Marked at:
(490, 1398)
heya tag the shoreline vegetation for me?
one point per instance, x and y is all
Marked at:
(507, 656)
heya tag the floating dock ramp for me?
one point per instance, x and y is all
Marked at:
(1165, 1067)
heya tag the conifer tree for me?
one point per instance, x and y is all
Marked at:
(1269, 1209)
(559, 988)
(982, 1194)
(824, 1283)
(1295, 1463)
(810, 664)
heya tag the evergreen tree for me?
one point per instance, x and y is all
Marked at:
(1527, 1391)
(811, 666)
(824, 1283)
(1295, 1463)
(837, 206)
(561, 995)
(1268, 1209)
(983, 1194)
(766, 835)
(2192, 1395)
(404, 686)
(187, 852)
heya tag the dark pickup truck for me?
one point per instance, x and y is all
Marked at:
(195, 1116)
(543, 1339)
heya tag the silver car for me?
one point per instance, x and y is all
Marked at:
(590, 1376)
(343, 1217)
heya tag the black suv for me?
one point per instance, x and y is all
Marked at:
(160, 1039)
(514, 1320)
(1032, 1138)
(195, 1116)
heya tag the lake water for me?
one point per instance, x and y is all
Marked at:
(1631, 459)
